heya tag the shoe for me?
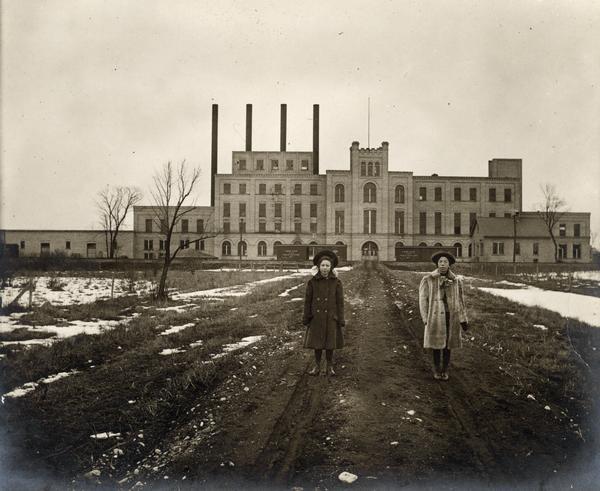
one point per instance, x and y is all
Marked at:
(445, 376)
(330, 372)
(314, 371)
(437, 374)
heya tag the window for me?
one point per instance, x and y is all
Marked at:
(472, 221)
(363, 168)
(473, 194)
(200, 245)
(562, 230)
(492, 215)
(274, 164)
(517, 248)
(243, 188)
(242, 248)
(457, 220)
(498, 248)
(242, 226)
(262, 248)
(199, 226)
(576, 251)
(399, 222)
(492, 194)
(457, 194)
(262, 210)
(91, 253)
(508, 195)
(536, 248)
(242, 164)
(148, 244)
(289, 165)
(161, 245)
(339, 222)
(297, 210)
(339, 193)
(226, 248)
(226, 209)
(369, 193)
(562, 251)
(68, 245)
(278, 226)
(508, 215)
(304, 165)
(399, 194)
(298, 227)
(577, 230)
(22, 244)
(313, 210)
(242, 209)
(458, 246)
(262, 227)
(226, 188)
(260, 164)
(262, 188)
(148, 224)
(422, 194)
(313, 227)
(184, 243)
(163, 226)
(422, 244)
(184, 226)
(370, 169)
(226, 227)
(277, 210)
(370, 219)
(275, 244)
(437, 223)
(314, 189)
(437, 194)
(297, 188)
(278, 189)
(377, 169)
(423, 223)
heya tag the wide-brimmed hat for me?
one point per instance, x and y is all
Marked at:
(436, 257)
(326, 254)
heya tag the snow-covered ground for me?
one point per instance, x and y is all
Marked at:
(593, 276)
(75, 290)
(581, 307)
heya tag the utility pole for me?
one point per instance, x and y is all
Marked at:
(515, 217)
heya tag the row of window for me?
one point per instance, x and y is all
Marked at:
(184, 226)
(46, 245)
(276, 188)
(262, 227)
(498, 250)
(183, 243)
(370, 169)
(458, 196)
(262, 210)
(274, 165)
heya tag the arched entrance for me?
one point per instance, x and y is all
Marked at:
(369, 250)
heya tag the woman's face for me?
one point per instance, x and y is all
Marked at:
(325, 267)
(443, 264)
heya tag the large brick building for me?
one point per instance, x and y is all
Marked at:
(280, 197)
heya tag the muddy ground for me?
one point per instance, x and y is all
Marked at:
(519, 410)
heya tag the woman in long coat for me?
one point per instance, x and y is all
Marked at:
(442, 306)
(324, 311)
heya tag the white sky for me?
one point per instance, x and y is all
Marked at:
(105, 92)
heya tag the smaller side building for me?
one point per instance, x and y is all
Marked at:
(495, 239)
(75, 243)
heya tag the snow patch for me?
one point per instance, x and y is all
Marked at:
(175, 329)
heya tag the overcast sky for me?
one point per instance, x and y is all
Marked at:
(104, 92)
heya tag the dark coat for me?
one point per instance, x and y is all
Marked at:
(324, 313)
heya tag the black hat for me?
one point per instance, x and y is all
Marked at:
(436, 257)
(328, 254)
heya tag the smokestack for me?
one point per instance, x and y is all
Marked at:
(283, 139)
(213, 156)
(248, 127)
(315, 138)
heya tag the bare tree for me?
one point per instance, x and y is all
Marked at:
(551, 211)
(114, 204)
(172, 188)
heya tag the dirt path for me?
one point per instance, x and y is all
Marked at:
(382, 417)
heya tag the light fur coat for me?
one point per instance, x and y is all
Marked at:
(433, 311)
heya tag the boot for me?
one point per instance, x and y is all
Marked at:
(316, 370)
(329, 370)
(437, 373)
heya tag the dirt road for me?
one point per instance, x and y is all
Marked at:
(382, 417)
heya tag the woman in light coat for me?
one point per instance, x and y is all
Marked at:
(442, 306)
(324, 311)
